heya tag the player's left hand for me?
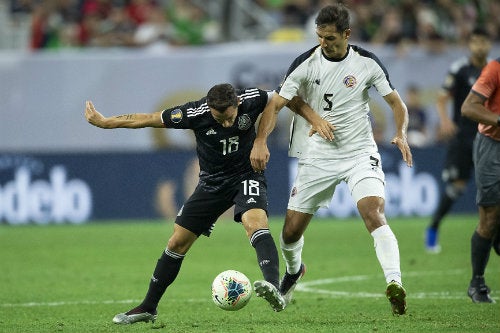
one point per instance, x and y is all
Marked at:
(403, 146)
(324, 128)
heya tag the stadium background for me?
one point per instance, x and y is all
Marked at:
(56, 168)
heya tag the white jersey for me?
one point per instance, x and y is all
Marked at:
(338, 91)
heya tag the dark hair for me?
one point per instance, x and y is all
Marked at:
(336, 14)
(479, 31)
(222, 96)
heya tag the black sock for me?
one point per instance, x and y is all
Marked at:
(267, 255)
(167, 268)
(443, 208)
(480, 253)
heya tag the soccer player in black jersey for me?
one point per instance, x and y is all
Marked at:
(224, 125)
(460, 130)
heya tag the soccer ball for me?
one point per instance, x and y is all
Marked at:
(231, 290)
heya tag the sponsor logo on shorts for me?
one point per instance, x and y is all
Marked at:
(294, 192)
(251, 200)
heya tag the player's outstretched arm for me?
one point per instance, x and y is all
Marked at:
(260, 153)
(401, 118)
(318, 125)
(133, 120)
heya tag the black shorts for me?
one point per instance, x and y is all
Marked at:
(487, 159)
(459, 163)
(202, 209)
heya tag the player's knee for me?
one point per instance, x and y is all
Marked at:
(180, 244)
(290, 234)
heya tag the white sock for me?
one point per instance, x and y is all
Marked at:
(387, 250)
(292, 253)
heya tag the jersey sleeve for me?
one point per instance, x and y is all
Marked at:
(297, 70)
(291, 85)
(381, 79)
(180, 116)
(487, 82)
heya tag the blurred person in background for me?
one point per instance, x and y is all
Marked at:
(458, 130)
(482, 105)
(418, 135)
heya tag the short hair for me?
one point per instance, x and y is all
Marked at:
(222, 96)
(479, 31)
(336, 14)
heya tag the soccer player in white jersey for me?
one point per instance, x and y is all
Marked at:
(334, 78)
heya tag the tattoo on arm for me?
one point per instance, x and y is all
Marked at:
(126, 116)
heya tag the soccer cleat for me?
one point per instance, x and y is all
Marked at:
(431, 241)
(270, 293)
(289, 282)
(396, 294)
(479, 292)
(133, 316)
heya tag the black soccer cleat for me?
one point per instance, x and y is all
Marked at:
(289, 282)
(135, 315)
(479, 292)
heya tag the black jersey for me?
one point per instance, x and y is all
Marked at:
(223, 153)
(459, 81)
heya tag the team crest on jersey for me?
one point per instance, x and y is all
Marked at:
(244, 122)
(349, 81)
(176, 116)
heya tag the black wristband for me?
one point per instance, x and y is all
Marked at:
(498, 121)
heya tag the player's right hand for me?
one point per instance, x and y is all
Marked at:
(259, 156)
(93, 116)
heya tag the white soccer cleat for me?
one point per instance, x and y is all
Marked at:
(270, 293)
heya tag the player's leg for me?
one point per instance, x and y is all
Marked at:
(456, 174)
(487, 162)
(187, 228)
(257, 228)
(481, 243)
(313, 188)
(366, 180)
(371, 210)
(386, 246)
(292, 243)
(250, 208)
(292, 239)
(165, 272)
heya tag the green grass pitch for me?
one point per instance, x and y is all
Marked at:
(63, 278)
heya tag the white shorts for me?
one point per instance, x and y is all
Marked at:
(316, 180)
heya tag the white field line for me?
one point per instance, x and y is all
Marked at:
(311, 287)
(64, 303)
